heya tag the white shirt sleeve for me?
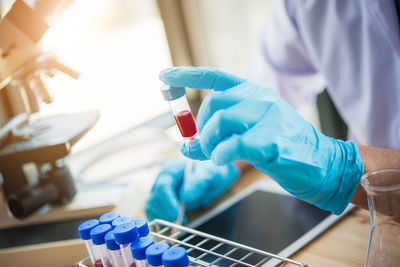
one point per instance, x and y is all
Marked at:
(281, 61)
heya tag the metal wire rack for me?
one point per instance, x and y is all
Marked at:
(208, 250)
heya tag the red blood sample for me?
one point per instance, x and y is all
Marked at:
(133, 264)
(186, 123)
(98, 263)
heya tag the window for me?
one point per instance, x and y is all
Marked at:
(119, 47)
(224, 33)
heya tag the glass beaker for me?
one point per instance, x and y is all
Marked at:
(383, 190)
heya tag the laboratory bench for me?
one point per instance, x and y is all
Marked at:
(344, 244)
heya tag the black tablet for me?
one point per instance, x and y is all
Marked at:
(265, 217)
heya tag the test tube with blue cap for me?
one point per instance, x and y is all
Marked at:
(98, 237)
(114, 250)
(126, 234)
(108, 217)
(176, 97)
(121, 220)
(139, 250)
(142, 227)
(154, 254)
(84, 232)
(175, 257)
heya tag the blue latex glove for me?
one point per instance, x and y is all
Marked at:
(246, 121)
(205, 184)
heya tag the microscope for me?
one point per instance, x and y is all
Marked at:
(33, 170)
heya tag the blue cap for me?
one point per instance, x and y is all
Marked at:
(171, 92)
(139, 247)
(142, 227)
(108, 217)
(97, 234)
(154, 253)
(85, 227)
(126, 233)
(110, 241)
(175, 257)
(121, 220)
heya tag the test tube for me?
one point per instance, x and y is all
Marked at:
(175, 257)
(142, 227)
(126, 234)
(108, 217)
(139, 250)
(154, 253)
(117, 260)
(121, 220)
(84, 232)
(98, 233)
(176, 97)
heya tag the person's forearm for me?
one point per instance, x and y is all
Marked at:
(374, 158)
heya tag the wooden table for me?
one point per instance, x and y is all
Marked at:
(344, 244)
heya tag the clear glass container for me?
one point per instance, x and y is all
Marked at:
(383, 190)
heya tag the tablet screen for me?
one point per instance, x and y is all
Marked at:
(265, 221)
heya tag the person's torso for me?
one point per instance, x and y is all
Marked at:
(356, 46)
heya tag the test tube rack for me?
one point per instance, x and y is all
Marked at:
(209, 250)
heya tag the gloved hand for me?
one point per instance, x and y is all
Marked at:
(202, 187)
(242, 120)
